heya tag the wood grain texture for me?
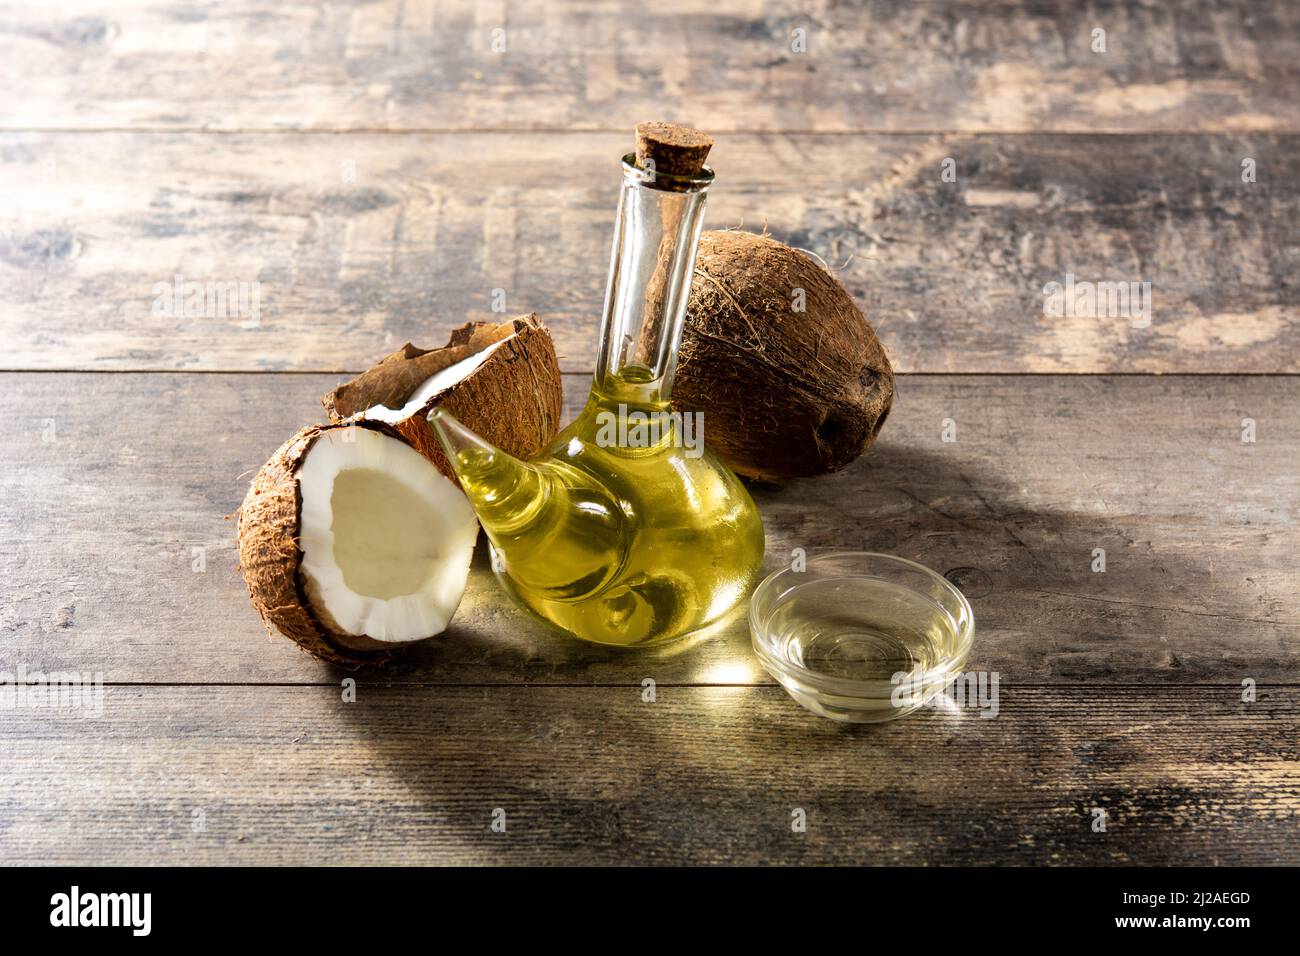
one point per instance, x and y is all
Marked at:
(383, 171)
(123, 477)
(359, 243)
(597, 775)
(719, 64)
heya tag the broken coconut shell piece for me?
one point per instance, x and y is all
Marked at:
(500, 379)
(352, 544)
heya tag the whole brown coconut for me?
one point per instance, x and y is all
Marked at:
(785, 394)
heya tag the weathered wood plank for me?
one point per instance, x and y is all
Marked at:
(433, 230)
(597, 775)
(113, 481)
(725, 64)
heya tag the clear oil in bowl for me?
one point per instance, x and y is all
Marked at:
(861, 629)
(861, 637)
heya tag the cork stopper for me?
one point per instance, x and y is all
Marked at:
(670, 149)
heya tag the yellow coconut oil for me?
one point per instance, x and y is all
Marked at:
(627, 530)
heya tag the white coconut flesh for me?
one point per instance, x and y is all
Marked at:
(431, 387)
(386, 540)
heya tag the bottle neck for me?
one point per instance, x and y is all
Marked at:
(653, 258)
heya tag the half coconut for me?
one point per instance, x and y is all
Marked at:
(353, 544)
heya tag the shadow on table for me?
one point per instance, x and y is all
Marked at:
(559, 735)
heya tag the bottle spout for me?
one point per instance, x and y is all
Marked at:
(464, 448)
(499, 486)
(557, 530)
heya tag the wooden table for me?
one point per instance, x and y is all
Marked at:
(380, 168)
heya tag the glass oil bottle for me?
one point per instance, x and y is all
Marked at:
(627, 530)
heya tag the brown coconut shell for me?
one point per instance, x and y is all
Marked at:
(513, 400)
(784, 394)
(269, 556)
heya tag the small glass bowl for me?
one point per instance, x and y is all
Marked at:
(861, 637)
